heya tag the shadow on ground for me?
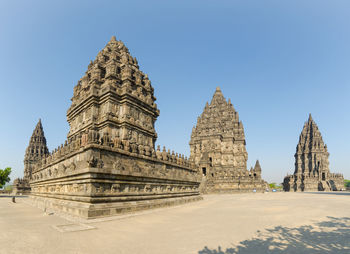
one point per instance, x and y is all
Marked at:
(10, 196)
(330, 236)
(344, 193)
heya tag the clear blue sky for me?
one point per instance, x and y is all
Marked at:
(277, 61)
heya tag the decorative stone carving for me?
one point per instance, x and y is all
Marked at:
(115, 187)
(95, 162)
(135, 167)
(72, 166)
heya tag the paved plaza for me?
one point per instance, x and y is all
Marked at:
(230, 223)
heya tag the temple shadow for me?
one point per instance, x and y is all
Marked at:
(330, 236)
(344, 193)
(10, 196)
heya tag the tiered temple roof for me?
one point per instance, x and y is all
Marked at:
(219, 130)
(114, 97)
(312, 171)
(218, 149)
(219, 118)
(36, 150)
(311, 152)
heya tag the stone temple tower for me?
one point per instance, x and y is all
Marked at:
(108, 164)
(114, 98)
(218, 149)
(36, 150)
(311, 163)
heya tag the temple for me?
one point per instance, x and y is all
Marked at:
(109, 164)
(36, 150)
(218, 149)
(311, 164)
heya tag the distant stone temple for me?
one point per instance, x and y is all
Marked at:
(36, 150)
(311, 164)
(218, 150)
(108, 164)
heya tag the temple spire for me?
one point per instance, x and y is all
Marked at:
(218, 97)
(36, 150)
(114, 38)
(310, 118)
(311, 163)
(257, 166)
(38, 131)
(311, 155)
(111, 82)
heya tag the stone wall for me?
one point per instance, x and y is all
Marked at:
(332, 182)
(101, 180)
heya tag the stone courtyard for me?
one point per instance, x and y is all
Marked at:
(244, 223)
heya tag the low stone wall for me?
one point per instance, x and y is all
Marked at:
(236, 186)
(90, 211)
(96, 181)
(334, 182)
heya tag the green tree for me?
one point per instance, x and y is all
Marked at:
(275, 186)
(347, 183)
(4, 176)
(272, 185)
(8, 188)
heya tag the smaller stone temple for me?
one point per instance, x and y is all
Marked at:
(311, 164)
(218, 149)
(36, 151)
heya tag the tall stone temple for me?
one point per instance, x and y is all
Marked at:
(36, 150)
(218, 149)
(311, 164)
(109, 163)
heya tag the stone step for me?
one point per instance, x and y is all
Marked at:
(326, 186)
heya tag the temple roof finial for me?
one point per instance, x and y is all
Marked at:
(257, 166)
(39, 126)
(310, 117)
(218, 97)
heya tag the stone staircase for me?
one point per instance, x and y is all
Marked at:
(326, 186)
(203, 185)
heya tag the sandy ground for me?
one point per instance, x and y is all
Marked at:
(239, 223)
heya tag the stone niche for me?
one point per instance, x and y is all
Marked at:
(108, 164)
